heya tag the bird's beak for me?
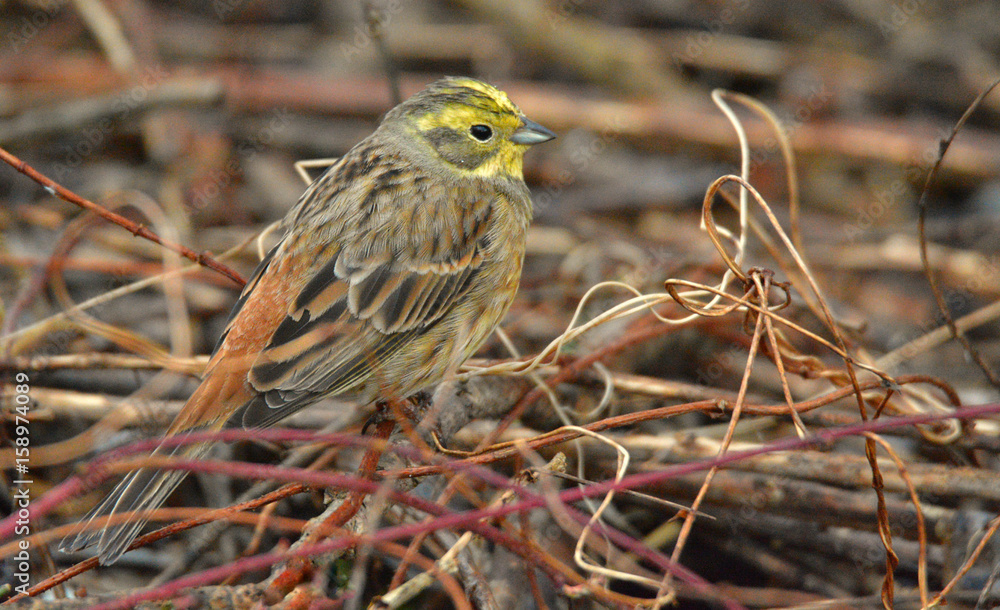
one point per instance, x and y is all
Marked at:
(530, 133)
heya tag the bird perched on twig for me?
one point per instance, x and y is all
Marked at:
(395, 265)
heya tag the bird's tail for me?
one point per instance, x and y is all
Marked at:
(142, 491)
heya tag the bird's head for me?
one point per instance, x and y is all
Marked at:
(472, 126)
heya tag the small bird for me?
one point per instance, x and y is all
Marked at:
(394, 266)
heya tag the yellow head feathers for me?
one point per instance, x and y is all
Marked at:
(471, 125)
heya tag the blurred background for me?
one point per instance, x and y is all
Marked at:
(187, 117)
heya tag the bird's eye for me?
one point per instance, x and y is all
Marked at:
(481, 132)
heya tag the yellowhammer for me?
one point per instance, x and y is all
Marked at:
(395, 266)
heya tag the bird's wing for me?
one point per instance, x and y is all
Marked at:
(334, 301)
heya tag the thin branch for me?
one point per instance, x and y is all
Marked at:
(138, 230)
